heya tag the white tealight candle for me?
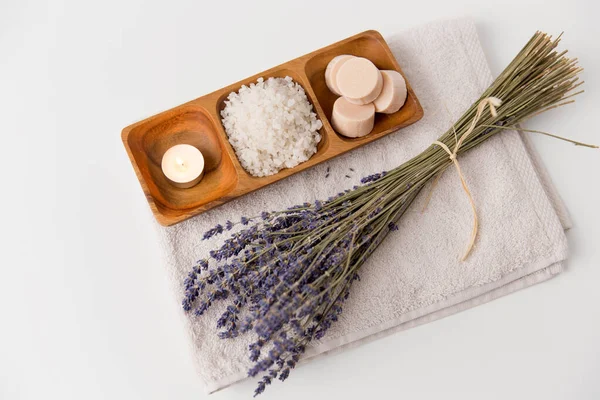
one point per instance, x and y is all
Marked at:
(183, 165)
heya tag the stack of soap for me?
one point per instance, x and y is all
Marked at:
(364, 90)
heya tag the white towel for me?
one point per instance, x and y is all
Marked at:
(415, 276)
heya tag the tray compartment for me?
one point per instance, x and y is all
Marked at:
(372, 46)
(187, 125)
(276, 72)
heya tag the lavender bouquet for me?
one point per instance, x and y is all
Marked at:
(286, 274)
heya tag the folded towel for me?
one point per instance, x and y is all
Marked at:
(415, 276)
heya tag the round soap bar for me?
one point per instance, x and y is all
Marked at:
(352, 120)
(393, 94)
(332, 69)
(359, 81)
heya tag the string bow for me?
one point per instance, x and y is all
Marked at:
(492, 103)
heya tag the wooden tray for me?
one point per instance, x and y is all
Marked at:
(198, 123)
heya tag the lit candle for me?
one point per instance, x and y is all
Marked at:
(183, 165)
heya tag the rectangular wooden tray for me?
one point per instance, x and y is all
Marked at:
(198, 123)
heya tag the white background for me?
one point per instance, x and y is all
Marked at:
(85, 307)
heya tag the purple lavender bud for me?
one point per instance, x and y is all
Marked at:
(367, 179)
(255, 347)
(228, 334)
(262, 365)
(254, 355)
(228, 225)
(284, 374)
(295, 324)
(188, 282)
(259, 389)
(252, 372)
(222, 321)
(246, 325)
(202, 308)
(203, 264)
(218, 229)
(310, 331)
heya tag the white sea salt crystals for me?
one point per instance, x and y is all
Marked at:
(271, 125)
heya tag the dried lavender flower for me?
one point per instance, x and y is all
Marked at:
(286, 274)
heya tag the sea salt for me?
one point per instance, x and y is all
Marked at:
(271, 125)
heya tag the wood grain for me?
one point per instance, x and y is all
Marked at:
(198, 123)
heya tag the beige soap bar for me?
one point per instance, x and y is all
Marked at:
(359, 80)
(393, 94)
(352, 120)
(332, 69)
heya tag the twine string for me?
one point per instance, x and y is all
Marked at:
(492, 103)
